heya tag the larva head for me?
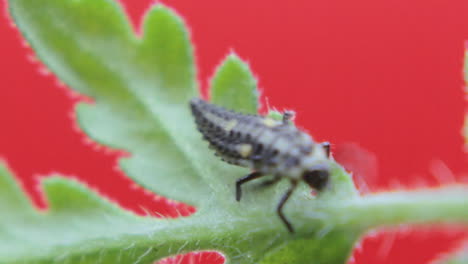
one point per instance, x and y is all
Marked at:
(316, 172)
(317, 176)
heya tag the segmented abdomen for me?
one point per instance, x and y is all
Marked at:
(249, 140)
(221, 128)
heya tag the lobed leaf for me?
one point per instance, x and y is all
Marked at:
(135, 82)
(234, 87)
(11, 197)
(79, 225)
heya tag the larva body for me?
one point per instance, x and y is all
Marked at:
(267, 146)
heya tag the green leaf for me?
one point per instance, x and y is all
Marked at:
(140, 89)
(11, 198)
(333, 247)
(89, 45)
(460, 256)
(59, 232)
(234, 86)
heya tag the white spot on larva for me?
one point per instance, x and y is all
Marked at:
(230, 125)
(213, 118)
(244, 150)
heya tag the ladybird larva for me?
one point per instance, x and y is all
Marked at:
(266, 145)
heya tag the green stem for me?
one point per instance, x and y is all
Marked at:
(441, 205)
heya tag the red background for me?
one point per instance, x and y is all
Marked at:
(385, 74)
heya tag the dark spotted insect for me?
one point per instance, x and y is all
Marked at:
(267, 146)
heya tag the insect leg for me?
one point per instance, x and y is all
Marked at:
(284, 199)
(326, 146)
(239, 182)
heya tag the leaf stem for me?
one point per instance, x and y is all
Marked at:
(438, 205)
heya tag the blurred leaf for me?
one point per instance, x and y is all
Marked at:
(79, 227)
(459, 256)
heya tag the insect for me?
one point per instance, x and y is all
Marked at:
(267, 146)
